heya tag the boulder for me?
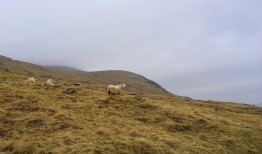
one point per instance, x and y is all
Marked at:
(70, 91)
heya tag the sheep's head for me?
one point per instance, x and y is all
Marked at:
(32, 79)
(123, 85)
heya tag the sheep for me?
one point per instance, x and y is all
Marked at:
(30, 80)
(115, 89)
(49, 83)
(51, 80)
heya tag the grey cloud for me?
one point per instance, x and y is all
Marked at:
(192, 48)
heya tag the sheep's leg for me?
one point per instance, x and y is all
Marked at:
(110, 94)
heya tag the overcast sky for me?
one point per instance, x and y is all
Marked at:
(202, 49)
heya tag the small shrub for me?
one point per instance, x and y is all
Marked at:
(8, 148)
(178, 128)
(146, 106)
(7, 122)
(32, 99)
(203, 137)
(143, 119)
(26, 107)
(19, 147)
(61, 125)
(171, 144)
(3, 133)
(134, 134)
(174, 117)
(36, 123)
(23, 148)
(50, 112)
(143, 147)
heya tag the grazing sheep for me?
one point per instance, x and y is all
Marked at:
(51, 80)
(49, 83)
(115, 89)
(30, 80)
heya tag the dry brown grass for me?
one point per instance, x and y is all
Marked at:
(34, 119)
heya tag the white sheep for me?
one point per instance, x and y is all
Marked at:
(49, 83)
(115, 89)
(30, 80)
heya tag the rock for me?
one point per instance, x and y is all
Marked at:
(7, 70)
(70, 91)
(140, 99)
(88, 88)
(76, 84)
(218, 110)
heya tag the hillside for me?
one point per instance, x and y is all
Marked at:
(39, 120)
(135, 83)
(19, 67)
(34, 119)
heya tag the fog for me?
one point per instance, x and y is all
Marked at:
(209, 50)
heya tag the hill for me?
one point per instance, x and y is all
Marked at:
(34, 119)
(135, 83)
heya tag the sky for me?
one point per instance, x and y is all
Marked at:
(208, 50)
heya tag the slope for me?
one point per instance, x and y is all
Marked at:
(19, 67)
(34, 119)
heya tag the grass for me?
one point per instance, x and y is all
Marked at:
(34, 119)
